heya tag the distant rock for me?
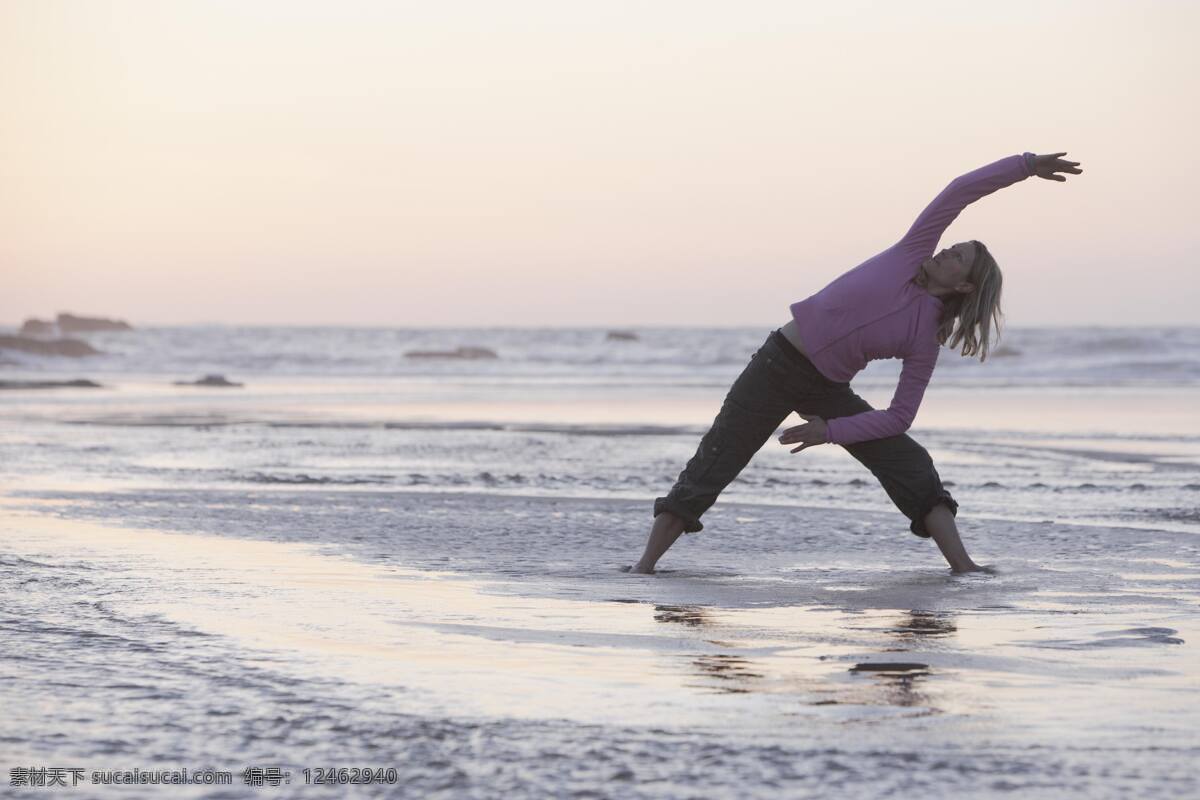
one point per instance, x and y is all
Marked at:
(621, 336)
(209, 380)
(459, 352)
(72, 348)
(1004, 351)
(38, 327)
(69, 323)
(80, 383)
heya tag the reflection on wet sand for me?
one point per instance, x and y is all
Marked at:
(924, 623)
(693, 616)
(896, 683)
(734, 670)
(874, 682)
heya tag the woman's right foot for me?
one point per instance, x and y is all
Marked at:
(636, 569)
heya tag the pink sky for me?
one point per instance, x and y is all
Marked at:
(549, 163)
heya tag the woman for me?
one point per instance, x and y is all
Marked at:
(902, 303)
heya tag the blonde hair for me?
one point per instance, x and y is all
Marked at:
(968, 319)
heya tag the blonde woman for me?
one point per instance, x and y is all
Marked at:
(902, 303)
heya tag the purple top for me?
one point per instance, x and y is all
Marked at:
(876, 310)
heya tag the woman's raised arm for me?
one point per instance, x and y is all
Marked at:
(1048, 165)
(923, 236)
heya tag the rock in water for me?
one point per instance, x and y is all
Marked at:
(209, 380)
(621, 336)
(459, 352)
(72, 348)
(79, 383)
(38, 327)
(69, 323)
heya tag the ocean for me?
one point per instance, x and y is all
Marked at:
(366, 560)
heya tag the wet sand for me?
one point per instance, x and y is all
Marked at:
(764, 659)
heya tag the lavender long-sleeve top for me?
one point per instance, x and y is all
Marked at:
(876, 310)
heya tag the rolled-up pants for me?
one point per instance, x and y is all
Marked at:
(779, 380)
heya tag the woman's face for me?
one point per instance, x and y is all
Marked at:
(949, 268)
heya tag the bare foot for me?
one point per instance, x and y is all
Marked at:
(635, 569)
(975, 568)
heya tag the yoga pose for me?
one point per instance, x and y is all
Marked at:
(902, 303)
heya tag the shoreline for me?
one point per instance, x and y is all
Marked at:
(810, 650)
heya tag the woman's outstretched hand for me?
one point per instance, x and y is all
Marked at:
(812, 432)
(1046, 166)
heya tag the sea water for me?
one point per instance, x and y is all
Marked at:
(360, 558)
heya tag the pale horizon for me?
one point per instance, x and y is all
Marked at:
(550, 165)
(599, 326)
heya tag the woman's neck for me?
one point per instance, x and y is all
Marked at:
(922, 279)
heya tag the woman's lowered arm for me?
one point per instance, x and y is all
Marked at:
(874, 424)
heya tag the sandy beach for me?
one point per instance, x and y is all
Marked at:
(348, 348)
(421, 572)
(841, 662)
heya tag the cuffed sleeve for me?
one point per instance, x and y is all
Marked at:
(1030, 163)
(899, 415)
(928, 228)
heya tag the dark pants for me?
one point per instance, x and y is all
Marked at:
(777, 381)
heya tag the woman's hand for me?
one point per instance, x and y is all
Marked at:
(812, 432)
(1045, 166)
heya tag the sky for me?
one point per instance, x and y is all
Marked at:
(570, 163)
